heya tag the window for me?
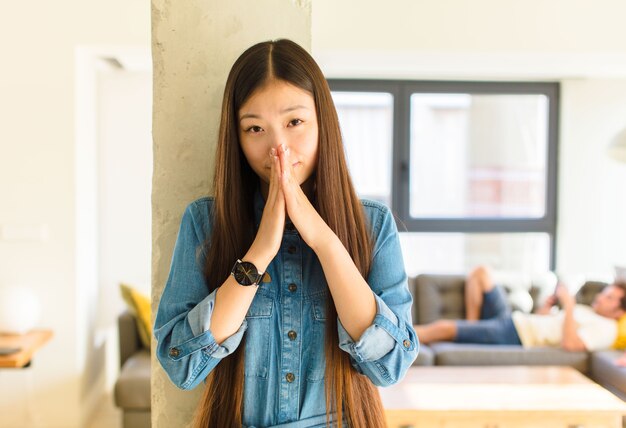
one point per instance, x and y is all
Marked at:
(367, 123)
(468, 168)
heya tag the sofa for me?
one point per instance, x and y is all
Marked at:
(442, 297)
(132, 388)
(434, 297)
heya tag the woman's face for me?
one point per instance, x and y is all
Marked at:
(279, 113)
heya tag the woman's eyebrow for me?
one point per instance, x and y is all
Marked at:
(292, 108)
(287, 110)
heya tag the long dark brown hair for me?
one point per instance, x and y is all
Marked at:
(233, 231)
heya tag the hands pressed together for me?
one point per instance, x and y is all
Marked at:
(286, 198)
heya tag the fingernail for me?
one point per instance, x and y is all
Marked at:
(282, 146)
(273, 151)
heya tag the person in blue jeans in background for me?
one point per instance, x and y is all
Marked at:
(490, 321)
(286, 293)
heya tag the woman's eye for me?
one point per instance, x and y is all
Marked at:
(295, 122)
(254, 129)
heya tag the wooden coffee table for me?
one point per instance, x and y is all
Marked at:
(500, 396)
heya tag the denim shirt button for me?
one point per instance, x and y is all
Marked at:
(292, 335)
(293, 287)
(290, 377)
(291, 249)
(407, 344)
(174, 352)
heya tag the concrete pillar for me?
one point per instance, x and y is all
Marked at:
(194, 45)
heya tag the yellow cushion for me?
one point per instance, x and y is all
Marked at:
(139, 305)
(620, 342)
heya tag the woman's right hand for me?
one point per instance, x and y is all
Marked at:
(270, 234)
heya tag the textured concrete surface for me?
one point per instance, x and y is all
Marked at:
(193, 47)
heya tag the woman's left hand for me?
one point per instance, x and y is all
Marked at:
(311, 227)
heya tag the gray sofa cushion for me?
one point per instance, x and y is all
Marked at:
(437, 297)
(457, 354)
(607, 373)
(132, 389)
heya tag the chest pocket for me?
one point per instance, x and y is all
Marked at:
(258, 336)
(317, 362)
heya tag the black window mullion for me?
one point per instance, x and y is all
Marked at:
(401, 170)
(553, 164)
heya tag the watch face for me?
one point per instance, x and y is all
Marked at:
(245, 273)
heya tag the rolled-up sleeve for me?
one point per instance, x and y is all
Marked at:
(388, 347)
(186, 347)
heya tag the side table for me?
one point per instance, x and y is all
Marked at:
(15, 372)
(28, 343)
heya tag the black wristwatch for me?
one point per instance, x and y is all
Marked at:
(246, 273)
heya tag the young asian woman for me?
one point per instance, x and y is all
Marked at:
(287, 293)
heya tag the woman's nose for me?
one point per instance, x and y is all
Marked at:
(278, 145)
(277, 140)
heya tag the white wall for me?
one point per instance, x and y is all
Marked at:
(592, 199)
(124, 111)
(38, 186)
(125, 171)
(480, 25)
(481, 39)
(579, 43)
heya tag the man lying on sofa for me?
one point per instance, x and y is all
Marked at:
(490, 321)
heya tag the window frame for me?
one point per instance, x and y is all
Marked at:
(401, 90)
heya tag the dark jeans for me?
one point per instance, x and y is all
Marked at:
(495, 326)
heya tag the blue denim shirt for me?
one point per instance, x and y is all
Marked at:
(284, 327)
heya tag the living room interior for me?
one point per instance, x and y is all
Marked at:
(109, 117)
